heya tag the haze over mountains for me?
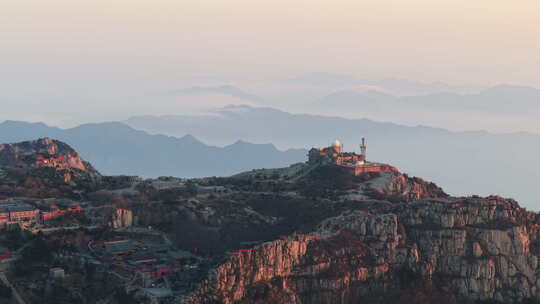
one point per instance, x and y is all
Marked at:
(502, 99)
(465, 162)
(500, 108)
(342, 106)
(115, 148)
(226, 90)
(393, 86)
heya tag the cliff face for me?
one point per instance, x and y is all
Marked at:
(445, 249)
(44, 168)
(44, 152)
(397, 186)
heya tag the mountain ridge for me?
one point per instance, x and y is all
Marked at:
(438, 154)
(227, 90)
(116, 148)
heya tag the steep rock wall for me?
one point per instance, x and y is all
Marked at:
(471, 248)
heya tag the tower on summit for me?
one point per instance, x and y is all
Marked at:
(356, 164)
(363, 148)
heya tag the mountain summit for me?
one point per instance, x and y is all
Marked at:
(42, 167)
(43, 153)
(116, 148)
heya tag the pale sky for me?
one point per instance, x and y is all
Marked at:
(106, 52)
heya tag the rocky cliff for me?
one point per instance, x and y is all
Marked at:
(44, 152)
(396, 186)
(446, 250)
(44, 167)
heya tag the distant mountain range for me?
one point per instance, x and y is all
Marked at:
(393, 86)
(405, 87)
(115, 148)
(463, 162)
(502, 108)
(322, 79)
(226, 90)
(500, 99)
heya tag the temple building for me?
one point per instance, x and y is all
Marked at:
(12, 212)
(53, 208)
(50, 161)
(15, 211)
(357, 163)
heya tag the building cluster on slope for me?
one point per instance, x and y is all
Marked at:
(41, 160)
(51, 161)
(355, 163)
(133, 257)
(148, 269)
(17, 212)
(51, 210)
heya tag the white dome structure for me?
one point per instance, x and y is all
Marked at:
(338, 146)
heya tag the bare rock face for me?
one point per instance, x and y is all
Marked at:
(43, 153)
(400, 187)
(122, 218)
(45, 167)
(447, 249)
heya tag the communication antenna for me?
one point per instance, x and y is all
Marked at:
(363, 148)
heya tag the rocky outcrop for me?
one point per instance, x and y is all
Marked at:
(44, 152)
(396, 186)
(462, 248)
(47, 153)
(45, 168)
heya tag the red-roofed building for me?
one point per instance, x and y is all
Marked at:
(52, 161)
(58, 208)
(14, 211)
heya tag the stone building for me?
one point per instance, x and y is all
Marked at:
(356, 163)
(334, 154)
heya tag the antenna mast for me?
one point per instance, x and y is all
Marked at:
(363, 148)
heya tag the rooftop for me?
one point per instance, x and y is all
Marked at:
(15, 206)
(158, 292)
(119, 246)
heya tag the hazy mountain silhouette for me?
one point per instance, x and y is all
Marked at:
(404, 87)
(115, 148)
(503, 99)
(223, 90)
(464, 162)
(393, 86)
(322, 79)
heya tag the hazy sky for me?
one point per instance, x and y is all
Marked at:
(104, 55)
